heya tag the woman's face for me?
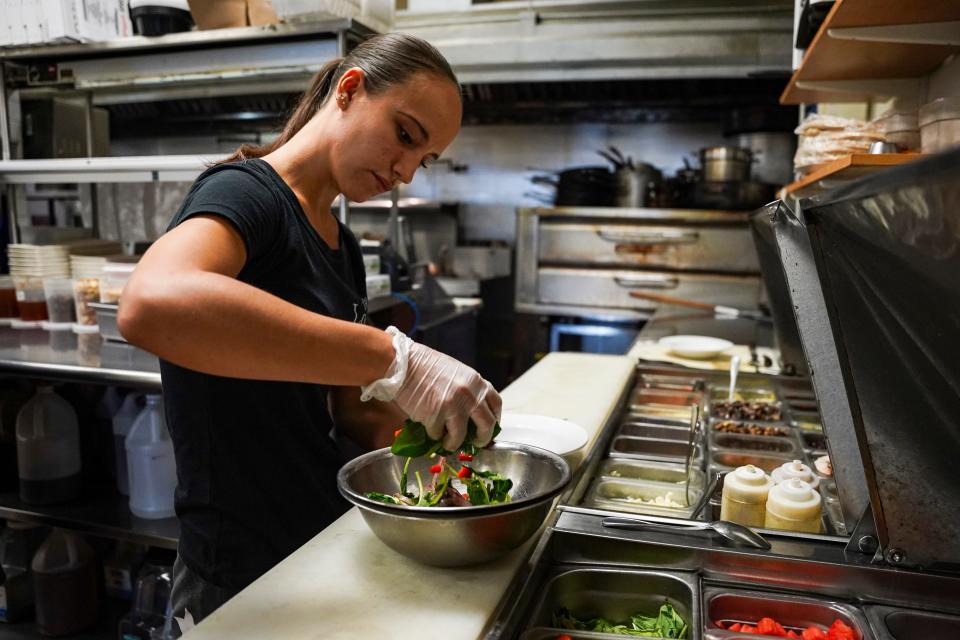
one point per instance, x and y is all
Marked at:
(383, 139)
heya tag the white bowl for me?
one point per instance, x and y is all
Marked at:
(562, 437)
(697, 347)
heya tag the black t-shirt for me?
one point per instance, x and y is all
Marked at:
(256, 466)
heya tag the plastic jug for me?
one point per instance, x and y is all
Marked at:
(150, 463)
(18, 542)
(122, 423)
(795, 469)
(12, 400)
(64, 584)
(48, 449)
(744, 496)
(793, 505)
(120, 569)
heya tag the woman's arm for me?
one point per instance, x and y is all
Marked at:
(185, 304)
(368, 424)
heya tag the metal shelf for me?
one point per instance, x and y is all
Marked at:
(36, 353)
(108, 169)
(651, 214)
(104, 513)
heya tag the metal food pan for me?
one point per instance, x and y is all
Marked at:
(653, 430)
(767, 445)
(664, 397)
(653, 449)
(894, 623)
(814, 440)
(802, 406)
(785, 429)
(614, 494)
(806, 421)
(639, 416)
(745, 394)
(674, 383)
(650, 471)
(723, 460)
(107, 320)
(617, 594)
(675, 412)
(783, 413)
(549, 633)
(731, 605)
(834, 517)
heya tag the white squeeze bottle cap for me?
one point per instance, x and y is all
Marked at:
(747, 484)
(795, 469)
(794, 499)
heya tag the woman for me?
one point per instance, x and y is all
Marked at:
(255, 302)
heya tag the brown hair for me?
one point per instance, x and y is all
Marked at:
(386, 60)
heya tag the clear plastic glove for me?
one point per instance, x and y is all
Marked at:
(437, 390)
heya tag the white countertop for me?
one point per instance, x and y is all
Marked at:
(345, 583)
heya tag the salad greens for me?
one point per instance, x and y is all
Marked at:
(482, 487)
(412, 441)
(666, 624)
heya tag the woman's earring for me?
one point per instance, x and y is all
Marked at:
(342, 100)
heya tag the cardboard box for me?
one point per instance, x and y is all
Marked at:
(224, 14)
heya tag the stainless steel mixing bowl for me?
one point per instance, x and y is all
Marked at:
(456, 536)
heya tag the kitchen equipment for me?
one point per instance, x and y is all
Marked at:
(638, 184)
(150, 617)
(796, 469)
(793, 505)
(744, 496)
(560, 436)
(882, 146)
(718, 309)
(725, 164)
(48, 449)
(732, 196)
(455, 536)
(732, 531)
(106, 320)
(159, 17)
(590, 186)
(772, 154)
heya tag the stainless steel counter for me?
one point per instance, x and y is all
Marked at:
(67, 356)
(671, 320)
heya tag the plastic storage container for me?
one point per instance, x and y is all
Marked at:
(115, 276)
(120, 569)
(902, 128)
(58, 293)
(793, 505)
(8, 300)
(85, 291)
(795, 469)
(940, 124)
(48, 449)
(64, 584)
(122, 424)
(744, 496)
(31, 299)
(150, 463)
(160, 17)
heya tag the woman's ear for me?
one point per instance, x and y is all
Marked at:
(350, 84)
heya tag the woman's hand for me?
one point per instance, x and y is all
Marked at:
(437, 390)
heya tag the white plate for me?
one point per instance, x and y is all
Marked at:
(700, 347)
(553, 434)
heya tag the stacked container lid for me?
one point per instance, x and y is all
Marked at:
(29, 266)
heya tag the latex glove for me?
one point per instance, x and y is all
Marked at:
(437, 390)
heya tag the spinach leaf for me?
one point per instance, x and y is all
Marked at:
(381, 497)
(667, 624)
(413, 441)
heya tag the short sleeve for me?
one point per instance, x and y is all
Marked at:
(242, 197)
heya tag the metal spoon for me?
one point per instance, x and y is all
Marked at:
(730, 530)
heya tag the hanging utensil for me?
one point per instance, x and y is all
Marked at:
(617, 164)
(732, 531)
(734, 372)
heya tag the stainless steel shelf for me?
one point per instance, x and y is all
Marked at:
(47, 355)
(173, 168)
(651, 214)
(103, 514)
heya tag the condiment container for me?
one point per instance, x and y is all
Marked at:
(793, 505)
(795, 469)
(48, 449)
(940, 124)
(151, 467)
(31, 300)
(64, 584)
(115, 276)
(744, 496)
(18, 542)
(85, 291)
(58, 292)
(8, 300)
